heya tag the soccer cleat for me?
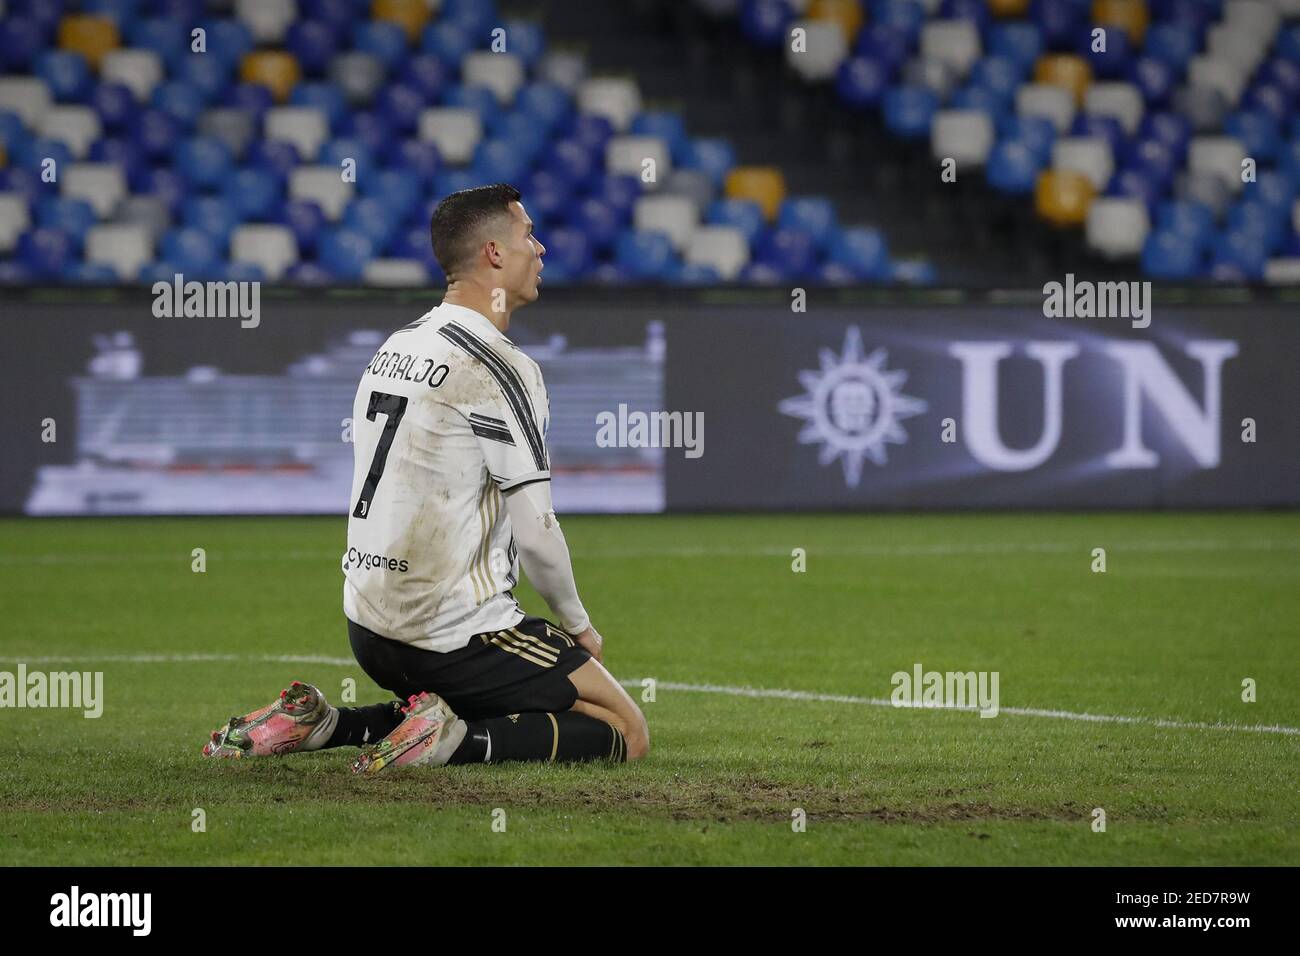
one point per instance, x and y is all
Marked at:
(301, 719)
(428, 736)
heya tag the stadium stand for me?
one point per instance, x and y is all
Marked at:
(307, 141)
(1167, 132)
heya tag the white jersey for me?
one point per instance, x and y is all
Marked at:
(448, 415)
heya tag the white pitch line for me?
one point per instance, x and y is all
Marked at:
(937, 549)
(768, 693)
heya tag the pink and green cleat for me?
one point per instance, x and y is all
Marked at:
(301, 719)
(428, 736)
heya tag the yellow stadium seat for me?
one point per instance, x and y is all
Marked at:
(1009, 8)
(1067, 70)
(763, 184)
(1062, 197)
(847, 13)
(1131, 16)
(92, 37)
(276, 70)
(410, 15)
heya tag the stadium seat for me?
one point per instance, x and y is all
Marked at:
(101, 184)
(267, 20)
(358, 75)
(615, 98)
(272, 248)
(675, 216)
(502, 73)
(126, 247)
(1089, 155)
(322, 185)
(1055, 103)
(232, 127)
(140, 71)
(307, 128)
(764, 185)
(27, 96)
(1066, 70)
(955, 43)
(723, 248)
(964, 135)
(1131, 16)
(395, 273)
(1123, 101)
(632, 156)
(75, 126)
(15, 219)
(91, 37)
(825, 47)
(456, 131)
(1062, 197)
(1220, 156)
(276, 70)
(1117, 227)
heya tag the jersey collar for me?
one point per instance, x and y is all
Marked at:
(474, 321)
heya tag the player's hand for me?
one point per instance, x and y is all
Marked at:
(592, 641)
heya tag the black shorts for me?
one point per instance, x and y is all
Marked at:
(523, 668)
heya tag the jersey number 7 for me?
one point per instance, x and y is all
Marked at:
(392, 407)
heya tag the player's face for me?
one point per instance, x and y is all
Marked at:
(524, 264)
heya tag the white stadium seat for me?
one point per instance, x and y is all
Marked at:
(455, 130)
(502, 73)
(955, 42)
(1090, 155)
(28, 96)
(359, 75)
(1121, 101)
(305, 126)
(675, 215)
(825, 48)
(694, 184)
(1236, 45)
(103, 185)
(324, 186)
(1118, 226)
(1217, 73)
(234, 127)
(1220, 156)
(139, 70)
(125, 246)
(627, 154)
(565, 68)
(1282, 271)
(1048, 100)
(14, 220)
(618, 99)
(1255, 17)
(932, 74)
(267, 20)
(395, 272)
(964, 135)
(77, 127)
(147, 211)
(722, 247)
(271, 247)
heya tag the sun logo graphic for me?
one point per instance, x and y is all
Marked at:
(852, 406)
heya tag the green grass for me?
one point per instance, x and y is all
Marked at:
(1189, 605)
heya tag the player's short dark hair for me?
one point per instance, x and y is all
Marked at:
(455, 225)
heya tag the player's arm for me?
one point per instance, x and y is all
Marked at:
(514, 446)
(544, 554)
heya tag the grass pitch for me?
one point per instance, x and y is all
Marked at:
(1189, 606)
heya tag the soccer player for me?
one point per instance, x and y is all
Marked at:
(450, 492)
